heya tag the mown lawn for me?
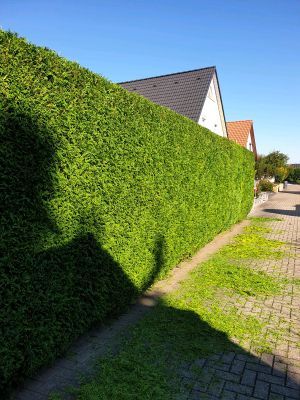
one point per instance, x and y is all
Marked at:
(192, 322)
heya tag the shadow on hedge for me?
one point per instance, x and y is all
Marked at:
(50, 296)
(53, 288)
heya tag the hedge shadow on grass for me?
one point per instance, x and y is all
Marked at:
(173, 353)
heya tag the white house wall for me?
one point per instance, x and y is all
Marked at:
(249, 143)
(212, 115)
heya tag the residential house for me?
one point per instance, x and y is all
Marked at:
(242, 132)
(294, 166)
(194, 94)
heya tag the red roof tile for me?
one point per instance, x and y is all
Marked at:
(238, 131)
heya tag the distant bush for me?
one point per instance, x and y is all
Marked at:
(265, 186)
(102, 192)
(294, 175)
(281, 174)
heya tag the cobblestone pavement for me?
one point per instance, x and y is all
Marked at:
(80, 360)
(251, 375)
(233, 375)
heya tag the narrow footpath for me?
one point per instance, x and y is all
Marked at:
(273, 375)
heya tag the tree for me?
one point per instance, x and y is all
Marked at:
(276, 159)
(261, 168)
(268, 165)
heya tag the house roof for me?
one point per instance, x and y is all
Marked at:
(239, 131)
(183, 92)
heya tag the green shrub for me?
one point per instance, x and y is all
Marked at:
(265, 186)
(294, 175)
(103, 192)
(281, 174)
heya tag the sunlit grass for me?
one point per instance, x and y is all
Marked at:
(257, 229)
(198, 319)
(264, 219)
(253, 246)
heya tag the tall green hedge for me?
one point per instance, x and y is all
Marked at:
(102, 192)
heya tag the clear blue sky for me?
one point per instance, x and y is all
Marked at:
(255, 45)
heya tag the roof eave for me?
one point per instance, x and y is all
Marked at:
(220, 94)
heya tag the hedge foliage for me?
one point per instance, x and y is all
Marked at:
(102, 192)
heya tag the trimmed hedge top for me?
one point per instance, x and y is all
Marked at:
(102, 192)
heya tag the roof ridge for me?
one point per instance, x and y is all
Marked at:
(241, 120)
(174, 73)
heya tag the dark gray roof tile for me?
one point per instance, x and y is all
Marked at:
(183, 92)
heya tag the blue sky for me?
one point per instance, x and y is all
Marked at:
(255, 45)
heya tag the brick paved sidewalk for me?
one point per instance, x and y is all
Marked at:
(233, 375)
(67, 371)
(267, 376)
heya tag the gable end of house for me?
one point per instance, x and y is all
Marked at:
(188, 93)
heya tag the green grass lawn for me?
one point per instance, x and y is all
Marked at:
(190, 323)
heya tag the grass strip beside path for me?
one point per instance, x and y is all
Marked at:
(196, 320)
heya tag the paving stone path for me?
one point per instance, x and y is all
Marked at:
(232, 375)
(266, 376)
